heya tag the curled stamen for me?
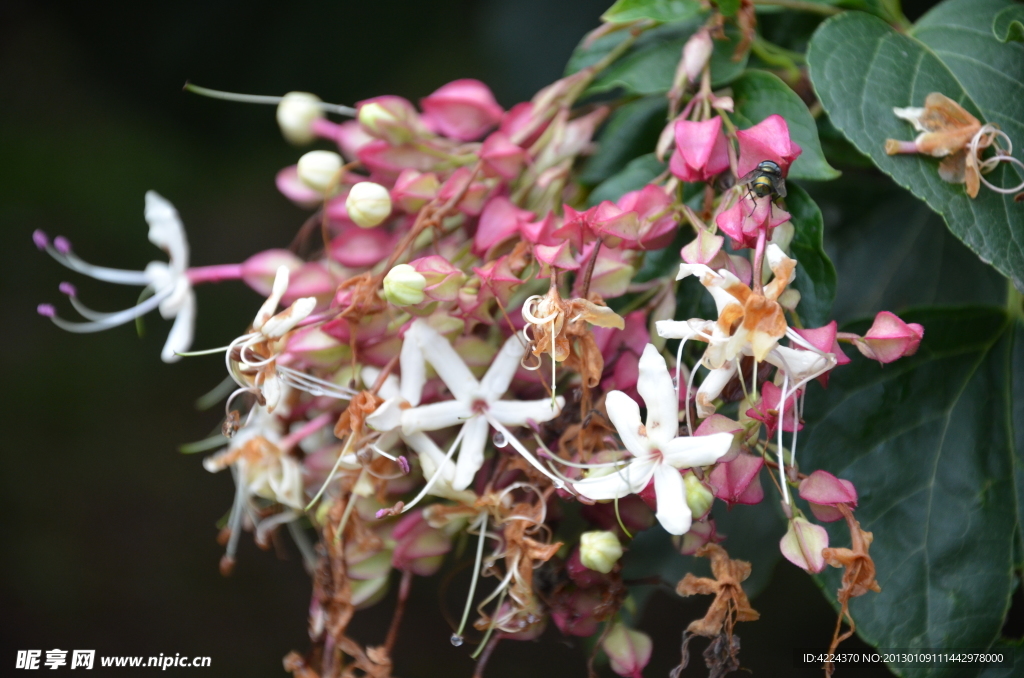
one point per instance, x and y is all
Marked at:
(987, 136)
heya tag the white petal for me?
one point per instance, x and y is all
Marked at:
(673, 513)
(655, 387)
(694, 451)
(387, 417)
(274, 300)
(630, 479)
(712, 387)
(625, 416)
(166, 230)
(911, 115)
(271, 389)
(285, 321)
(471, 454)
(799, 365)
(431, 456)
(700, 270)
(683, 329)
(389, 389)
(435, 416)
(179, 339)
(516, 412)
(446, 362)
(414, 370)
(503, 368)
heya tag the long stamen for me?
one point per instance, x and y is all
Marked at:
(61, 251)
(437, 472)
(112, 319)
(457, 636)
(261, 99)
(330, 476)
(521, 449)
(313, 385)
(782, 419)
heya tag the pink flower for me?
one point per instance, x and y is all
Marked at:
(739, 481)
(386, 161)
(419, 547)
(541, 232)
(743, 220)
(701, 150)
(612, 274)
(768, 409)
(574, 614)
(462, 109)
(473, 199)
(657, 221)
(824, 339)
(890, 338)
(390, 118)
(499, 220)
(287, 181)
(360, 247)
(767, 140)
(823, 491)
(443, 279)
(414, 189)
(701, 532)
(501, 157)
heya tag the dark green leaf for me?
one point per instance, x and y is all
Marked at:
(1009, 24)
(759, 94)
(635, 175)
(658, 10)
(631, 131)
(930, 443)
(650, 64)
(815, 274)
(862, 68)
(728, 7)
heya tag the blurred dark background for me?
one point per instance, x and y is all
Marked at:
(108, 531)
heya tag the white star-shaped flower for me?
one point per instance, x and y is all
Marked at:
(658, 451)
(477, 405)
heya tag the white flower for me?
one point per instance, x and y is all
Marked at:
(168, 281)
(252, 358)
(657, 450)
(477, 405)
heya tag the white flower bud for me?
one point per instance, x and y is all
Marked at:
(295, 115)
(403, 285)
(600, 550)
(376, 119)
(698, 497)
(319, 169)
(368, 204)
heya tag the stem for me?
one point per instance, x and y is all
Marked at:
(202, 274)
(1014, 301)
(260, 99)
(585, 289)
(396, 620)
(481, 663)
(758, 275)
(801, 6)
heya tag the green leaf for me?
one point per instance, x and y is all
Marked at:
(861, 68)
(815, 274)
(934, 447)
(631, 131)
(728, 7)
(658, 10)
(759, 94)
(650, 64)
(637, 174)
(1009, 24)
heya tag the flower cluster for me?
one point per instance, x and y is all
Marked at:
(464, 347)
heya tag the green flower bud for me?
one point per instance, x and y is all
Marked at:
(698, 497)
(403, 285)
(600, 550)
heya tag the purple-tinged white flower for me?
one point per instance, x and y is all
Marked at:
(167, 282)
(658, 451)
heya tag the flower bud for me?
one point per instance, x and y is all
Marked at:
(403, 285)
(802, 544)
(698, 497)
(319, 169)
(627, 650)
(890, 338)
(696, 54)
(368, 204)
(600, 550)
(296, 114)
(390, 118)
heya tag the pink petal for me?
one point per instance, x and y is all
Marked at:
(821, 487)
(733, 480)
(462, 109)
(767, 140)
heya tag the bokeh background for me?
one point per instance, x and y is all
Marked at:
(108, 531)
